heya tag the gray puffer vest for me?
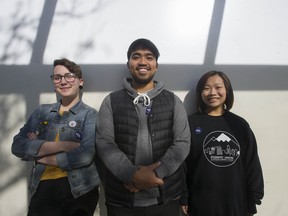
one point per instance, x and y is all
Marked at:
(160, 124)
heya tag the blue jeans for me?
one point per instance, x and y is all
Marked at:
(54, 197)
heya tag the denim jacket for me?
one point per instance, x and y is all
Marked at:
(77, 125)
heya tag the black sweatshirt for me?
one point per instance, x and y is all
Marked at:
(224, 175)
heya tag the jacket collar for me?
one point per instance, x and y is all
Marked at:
(75, 109)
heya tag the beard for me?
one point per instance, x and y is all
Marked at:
(142, 81)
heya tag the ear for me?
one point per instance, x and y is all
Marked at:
(81, 82)
(128, 65)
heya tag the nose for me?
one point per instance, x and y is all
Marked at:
(142, 61)
(63, 80)
(212, 91)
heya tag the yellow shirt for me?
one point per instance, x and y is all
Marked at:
(53, 172)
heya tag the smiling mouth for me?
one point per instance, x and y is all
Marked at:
(142, 69)
(64, 88)
(213, 99)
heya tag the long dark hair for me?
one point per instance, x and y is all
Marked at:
(200, 105)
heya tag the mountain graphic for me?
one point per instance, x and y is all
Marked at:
(223, 138)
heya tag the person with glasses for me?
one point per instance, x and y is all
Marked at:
(60, 139)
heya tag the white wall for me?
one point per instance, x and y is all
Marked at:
(245, 39)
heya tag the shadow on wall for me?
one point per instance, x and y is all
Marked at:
(31, 84)
(6, 127)
(30, 81)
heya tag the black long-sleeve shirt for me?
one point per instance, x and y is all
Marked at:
(224, 174)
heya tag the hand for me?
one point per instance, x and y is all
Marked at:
(185, 209)
(131, 187)
(48, 160)
(32, 135)
(145, 177)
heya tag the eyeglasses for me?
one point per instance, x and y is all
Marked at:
(69, 77)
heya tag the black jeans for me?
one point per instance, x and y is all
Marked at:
(171, 208)
(54, 197)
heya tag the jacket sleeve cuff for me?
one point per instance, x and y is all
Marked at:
(252, 208)
(161, 171)
(33, 149)
(62, 161)
(184, 198)
(128, 176)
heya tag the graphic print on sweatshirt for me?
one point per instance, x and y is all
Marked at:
(221, 148)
